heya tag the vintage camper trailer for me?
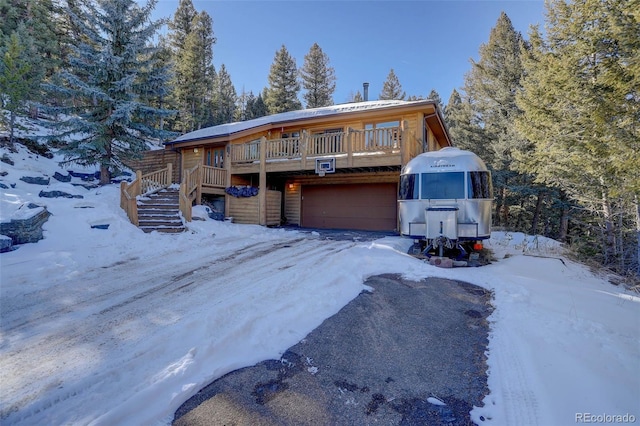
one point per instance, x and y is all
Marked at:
(444, 201)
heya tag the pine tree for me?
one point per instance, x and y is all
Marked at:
(17, 82)
(357, 97)
(464, 127)
(491, 86)
(435, 96)
(35, 21)
(581, 113)
(282, 93)
(256, 108)
(181, 25)
(318, 78)
(226, 97)
(391, 88)
(107, 78)
(194, 76)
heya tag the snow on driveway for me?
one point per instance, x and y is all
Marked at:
(82, 340)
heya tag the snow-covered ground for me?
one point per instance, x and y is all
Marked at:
(114, 326)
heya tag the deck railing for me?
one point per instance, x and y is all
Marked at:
(214, 176)
(383, 140)
(142, 184)
(283, 148)
(190, 189)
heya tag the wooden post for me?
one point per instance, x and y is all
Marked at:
(169, 178)
(405, 149)
(227, 164)
(262, 190)
(138, 187)
(303, 150)
(349, 142)
(199, 177)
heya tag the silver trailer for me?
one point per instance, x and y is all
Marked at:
(445, 201)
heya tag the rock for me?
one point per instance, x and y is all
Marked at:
(37, 180)
(6, 244)
(62, 178)
(442, 262)
(101, 226)
(57, 194)
(3, 186)
(27, 230)
(6, 159)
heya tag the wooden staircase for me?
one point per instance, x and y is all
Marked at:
(160, 212)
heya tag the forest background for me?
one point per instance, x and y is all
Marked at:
(554, 113)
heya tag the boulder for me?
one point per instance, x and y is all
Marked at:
(57, 194)
(35, 180)
(6, 243)
(62, 178)
(28, 228)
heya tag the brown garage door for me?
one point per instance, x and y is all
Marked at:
(358, 206)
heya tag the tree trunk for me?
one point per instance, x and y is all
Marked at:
(564, 219)
(637, 211)
(536, 213)
(608, 229)
(105, 175)
(12, 125)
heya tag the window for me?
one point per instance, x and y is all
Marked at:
(214, 157)
(408, 187)
(290, 135)
(327, 141)
(384, 134)
(442, 186)
(480, 185)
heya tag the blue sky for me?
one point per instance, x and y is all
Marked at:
(429, 44)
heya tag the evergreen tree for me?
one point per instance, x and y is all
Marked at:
(35, 21)
(194, 76)
(435, 96)
(491, 86)
(318, 78)
(17, 82)
(581, 113)
(464, 127)
(391, 88)
(181, 25)
(282, 93)
(107, 77)
(226, 97)
(256, 108)
(357, 97)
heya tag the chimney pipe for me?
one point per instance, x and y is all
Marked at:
(366, 91)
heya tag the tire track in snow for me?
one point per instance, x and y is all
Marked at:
(518, 400)
(97, 328)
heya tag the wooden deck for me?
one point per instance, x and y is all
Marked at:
(352, 149)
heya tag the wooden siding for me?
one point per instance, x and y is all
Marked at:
(246, 210)
(292, 200)
(155, 160)
(190, 158)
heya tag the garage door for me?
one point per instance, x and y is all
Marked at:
(356, 206)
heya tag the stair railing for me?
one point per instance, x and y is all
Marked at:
(143, 184)
(190, 189)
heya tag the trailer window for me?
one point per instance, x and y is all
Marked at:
(441, 186)
(480, 185)
(408, 187)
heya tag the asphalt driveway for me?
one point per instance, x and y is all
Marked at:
(406, 353)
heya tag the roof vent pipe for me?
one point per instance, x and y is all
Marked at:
(365, 86)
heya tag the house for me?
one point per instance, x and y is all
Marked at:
(330, 167)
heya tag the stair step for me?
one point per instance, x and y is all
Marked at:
(160, 212)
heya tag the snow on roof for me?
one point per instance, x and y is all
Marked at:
(230, 128)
